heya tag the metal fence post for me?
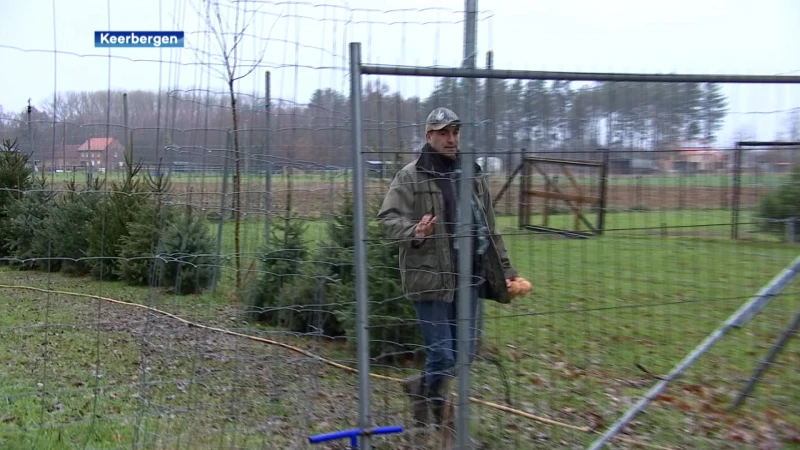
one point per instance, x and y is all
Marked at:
(126, 125)
(736, 191)
(488, 151)
(465, 306)
(601, 206)
(267, 162)
(221, 219)
(360, 256)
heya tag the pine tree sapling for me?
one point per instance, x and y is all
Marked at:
(389, 312)
(280, 260)
(306, 303)
(326, 283)
(781, 204)
(23, 217)
(121, 206)
(16, 177)
(69, 244)
(188, 254)
(137, 249)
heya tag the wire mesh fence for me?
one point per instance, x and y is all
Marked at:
(182, 271)
(683, 226)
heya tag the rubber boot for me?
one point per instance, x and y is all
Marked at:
(414, 388)
(443, 410)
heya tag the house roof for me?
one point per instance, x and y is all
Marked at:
(96, 143)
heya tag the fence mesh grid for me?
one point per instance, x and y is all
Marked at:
(177, 268)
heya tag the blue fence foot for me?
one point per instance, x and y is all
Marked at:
(353, 434)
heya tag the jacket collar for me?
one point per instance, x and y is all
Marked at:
(427, 163)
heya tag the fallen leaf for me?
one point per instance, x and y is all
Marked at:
(682, 405)
(666, 398)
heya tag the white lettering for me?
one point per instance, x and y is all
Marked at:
(138, 39)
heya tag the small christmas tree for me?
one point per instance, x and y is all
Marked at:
(189, 252)
(108, 229)
(16, 176)
(280, 260)
(23, 216)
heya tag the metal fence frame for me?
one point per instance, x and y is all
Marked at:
(469, 72)
(737, 176)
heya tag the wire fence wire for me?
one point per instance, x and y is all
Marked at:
(675, 234)
(176, 278)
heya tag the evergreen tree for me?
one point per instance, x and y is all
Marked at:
(137, 249)
(280, 261)
(68, 243)
(16, 176)
(188, 249)
(713, 106)
(23, 216)
(323, 287)
(108, 229)
(392, 320)
(781, 204)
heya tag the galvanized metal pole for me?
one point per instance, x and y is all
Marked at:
(506, 74)
(30, 130)
(221, 220)
(765, 363)
(126, 124)
(737, 183)
(736, 320)
(267, 162)
(465, 286)
(360, 256)
(487, 152)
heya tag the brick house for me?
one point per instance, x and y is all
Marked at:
(695, 156)
(98, 152)
(66, 159)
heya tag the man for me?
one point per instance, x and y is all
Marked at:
(420, 212)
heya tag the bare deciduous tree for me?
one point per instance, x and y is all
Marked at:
(229, 30)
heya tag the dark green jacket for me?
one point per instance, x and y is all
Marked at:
(426, 266)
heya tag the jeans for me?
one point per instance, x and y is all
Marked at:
(439, 323)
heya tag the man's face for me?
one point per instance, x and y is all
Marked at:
(444, 141)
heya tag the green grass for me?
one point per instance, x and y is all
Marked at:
(711, 223)
(602, 306)
(570, 349)
(718, 180)
(671, 180)
(212, 177)
(702, 179)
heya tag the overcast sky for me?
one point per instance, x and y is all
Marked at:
(686, 36)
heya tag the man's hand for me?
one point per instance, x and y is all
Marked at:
(425, 226)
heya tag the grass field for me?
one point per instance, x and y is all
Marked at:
(342, 176)
(87, 373)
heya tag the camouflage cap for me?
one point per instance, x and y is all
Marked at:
(440, 118)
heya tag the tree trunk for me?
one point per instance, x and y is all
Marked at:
(236, 191)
